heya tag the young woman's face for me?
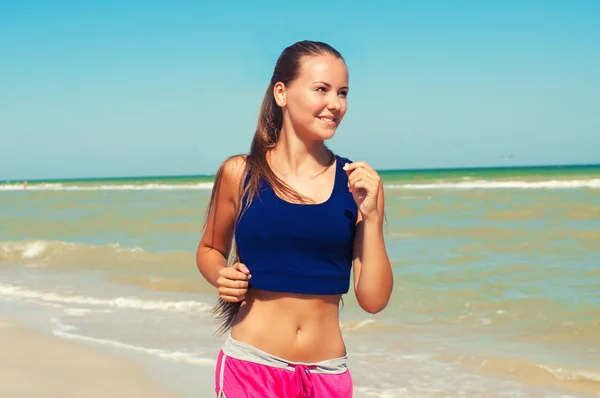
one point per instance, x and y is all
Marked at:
(316, 100)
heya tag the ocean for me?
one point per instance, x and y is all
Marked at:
(497, 278)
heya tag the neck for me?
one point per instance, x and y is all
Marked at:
(298, 156)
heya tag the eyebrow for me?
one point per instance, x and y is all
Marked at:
(329, 85)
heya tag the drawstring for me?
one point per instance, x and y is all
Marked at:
(302, 377)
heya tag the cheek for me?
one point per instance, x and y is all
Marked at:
(343, 110)
(315, 104)
(305, 106)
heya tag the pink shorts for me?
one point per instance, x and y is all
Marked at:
(244, 371)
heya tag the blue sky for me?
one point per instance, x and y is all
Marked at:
(121, 88)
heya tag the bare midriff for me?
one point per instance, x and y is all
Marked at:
(294, 327)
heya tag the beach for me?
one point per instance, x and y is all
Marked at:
(495, 288)
(37, 366)
(33, 365)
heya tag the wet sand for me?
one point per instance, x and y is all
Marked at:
(37, 366)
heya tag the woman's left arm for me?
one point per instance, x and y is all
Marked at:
(373, 278)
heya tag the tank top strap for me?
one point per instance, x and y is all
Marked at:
(341, 178)
(248, 171)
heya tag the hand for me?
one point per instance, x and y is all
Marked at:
(363, 182)
(233, 282)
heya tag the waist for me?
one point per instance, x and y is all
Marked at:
(295, 327)
(298, 282)
(245, 352)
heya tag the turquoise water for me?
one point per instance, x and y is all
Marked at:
(528, 173)
(496, 277)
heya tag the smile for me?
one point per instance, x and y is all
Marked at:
(327, 119)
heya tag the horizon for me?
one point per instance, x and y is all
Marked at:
(383, 171)
(147, 88)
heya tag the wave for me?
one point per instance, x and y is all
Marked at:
(9, 291)
(353, 325)
(593, 183)
(66, 331)
(109, 187)
(584, 380)
(59, 254)
(38, 249)
(18, 292)
(156, 271)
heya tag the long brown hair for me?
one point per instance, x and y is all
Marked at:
(270, 121)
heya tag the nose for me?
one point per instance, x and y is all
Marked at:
(335, 104)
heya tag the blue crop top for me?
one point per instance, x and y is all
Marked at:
(299, 248)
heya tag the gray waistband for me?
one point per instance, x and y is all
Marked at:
(245, 352)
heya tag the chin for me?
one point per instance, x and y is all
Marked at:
(329, 136)
(322, 133)
(317, 133)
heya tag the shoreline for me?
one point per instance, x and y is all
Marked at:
(33, 365)
(36, 365)
(432, 172)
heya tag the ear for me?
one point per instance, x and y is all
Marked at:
(279, 92)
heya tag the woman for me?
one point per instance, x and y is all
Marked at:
(299, 218)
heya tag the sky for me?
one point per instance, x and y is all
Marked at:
(144, 88)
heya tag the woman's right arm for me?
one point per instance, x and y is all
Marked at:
(215, 244)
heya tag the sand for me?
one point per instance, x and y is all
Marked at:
(38, 366)
(34, 365)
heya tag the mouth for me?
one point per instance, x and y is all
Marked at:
(328, 120)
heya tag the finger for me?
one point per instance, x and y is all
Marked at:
(230, 273)
(356, 165)
(352, 166)
(368, 170)
(234, 284)
(232, 299)
(368, 187)
(361, 175)
(226, 291)
(241, 267)
(353, 179)
(364, 174)
(234, 275)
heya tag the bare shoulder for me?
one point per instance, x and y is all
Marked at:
(233, 168)
(230, 174)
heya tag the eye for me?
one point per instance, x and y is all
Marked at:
(344, 94)
(323, 89)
